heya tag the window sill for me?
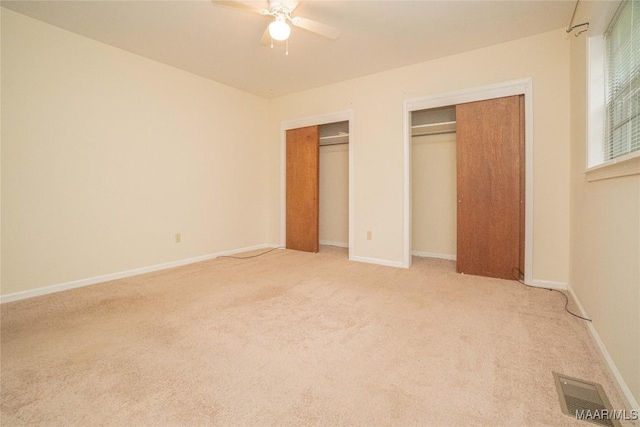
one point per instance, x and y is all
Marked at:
(622, 166)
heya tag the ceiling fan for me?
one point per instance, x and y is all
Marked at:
(281, 11)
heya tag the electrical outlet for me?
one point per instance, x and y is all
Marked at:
(178, 237)
(369, 235)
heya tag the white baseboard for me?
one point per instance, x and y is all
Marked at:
(434, 255)
(332, 243)
(632, 403)
(121, 275)
(561, 286)
(378, 261)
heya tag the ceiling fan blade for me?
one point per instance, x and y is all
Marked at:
(266, 38)
(250, 6)
(316, 27)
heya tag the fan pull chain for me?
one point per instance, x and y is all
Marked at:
(287, 42)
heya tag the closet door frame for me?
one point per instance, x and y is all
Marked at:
(340, 116)
(482, 93)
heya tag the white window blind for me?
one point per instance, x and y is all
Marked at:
(622, 127)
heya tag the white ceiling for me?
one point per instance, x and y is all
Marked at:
(222, 43)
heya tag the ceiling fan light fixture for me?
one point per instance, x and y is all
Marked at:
(279, 29)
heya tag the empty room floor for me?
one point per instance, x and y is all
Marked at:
(294, 338)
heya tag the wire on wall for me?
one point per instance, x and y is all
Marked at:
(250, 256)
(573, 27)
(518, 275)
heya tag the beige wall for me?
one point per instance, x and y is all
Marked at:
(433, 200)
(334, 194)
(107, 155)
(1, 9)
(377, 131)
(605, 241)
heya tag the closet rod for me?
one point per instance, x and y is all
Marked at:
(434, 133)
(335, 143)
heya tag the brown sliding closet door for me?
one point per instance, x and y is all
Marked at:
(490, 170)
(303, 152)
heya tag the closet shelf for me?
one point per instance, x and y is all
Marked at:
(433, 129)
(341, 138)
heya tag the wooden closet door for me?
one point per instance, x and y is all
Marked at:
(302, 216)
(490, 171)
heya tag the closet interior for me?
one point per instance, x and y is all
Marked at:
(433, 186)
(334, 184)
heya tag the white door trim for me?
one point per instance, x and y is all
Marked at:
(499, 90)
(340, 116)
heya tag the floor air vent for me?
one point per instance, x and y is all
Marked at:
(585, 401)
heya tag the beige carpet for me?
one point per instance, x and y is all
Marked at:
(293, 338)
